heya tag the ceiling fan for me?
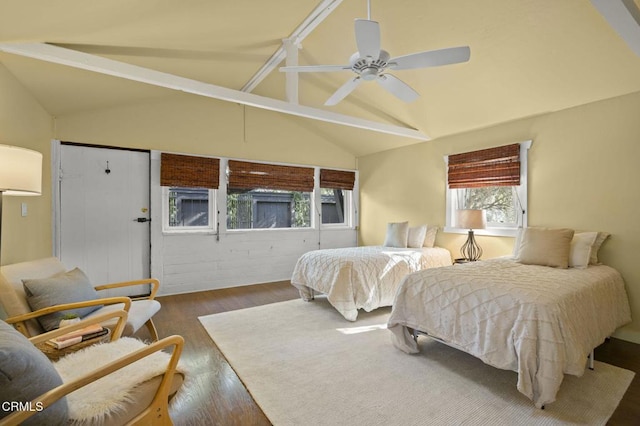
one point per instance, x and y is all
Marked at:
(371, 62)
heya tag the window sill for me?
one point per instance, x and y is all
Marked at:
(491, 232)
(243, 230)
(336, 227)
(177, 232)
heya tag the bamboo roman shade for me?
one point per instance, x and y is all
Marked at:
(246, 175)
(189, 172)
(337, 179)
(498, 166)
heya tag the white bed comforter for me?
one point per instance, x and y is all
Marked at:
(539, 321)
(361, 277)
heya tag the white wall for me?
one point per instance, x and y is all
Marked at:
(187, 263)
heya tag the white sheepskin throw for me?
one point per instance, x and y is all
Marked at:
(92, 403)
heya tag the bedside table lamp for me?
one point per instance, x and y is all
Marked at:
(471, 219)
(20, 174)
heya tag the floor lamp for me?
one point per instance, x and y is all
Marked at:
(471, 219)
(20, 174)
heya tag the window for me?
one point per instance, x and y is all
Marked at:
(261, 196)
(189, 209)
(336, 187)
(335, 206)
(189, 192)
(494, 180)
(262, 208)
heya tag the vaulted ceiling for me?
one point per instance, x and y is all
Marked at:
(528, 57)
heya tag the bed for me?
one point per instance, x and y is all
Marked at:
(539, 321)
(364, 277)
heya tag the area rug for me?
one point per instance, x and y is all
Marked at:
(304, 364)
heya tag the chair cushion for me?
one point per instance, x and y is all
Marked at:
(26, 373)
(9, 303)
(141, 311)
(141, 397)
(12, 294)
(64, 287)
(3, 313)
(103, 398)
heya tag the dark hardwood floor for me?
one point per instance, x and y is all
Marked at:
(215, 396)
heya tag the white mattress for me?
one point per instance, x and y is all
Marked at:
(539, 321)
(361, 277)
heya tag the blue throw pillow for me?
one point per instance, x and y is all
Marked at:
(65, 287)
(25, 374)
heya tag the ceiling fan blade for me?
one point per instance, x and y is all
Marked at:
(431, 58)
(397, 87)
(368, 38)
(315, 68)
(343, 91)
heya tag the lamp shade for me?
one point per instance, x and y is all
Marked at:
(20, 171)
(471, 219)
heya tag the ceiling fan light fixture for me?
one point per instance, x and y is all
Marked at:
(369, 74)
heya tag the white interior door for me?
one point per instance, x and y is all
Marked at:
(104, 214)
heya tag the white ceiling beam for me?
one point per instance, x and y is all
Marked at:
(303, 30)
(291, 78)
(98, 64)
(624, 17)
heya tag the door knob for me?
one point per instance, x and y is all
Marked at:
(142, 220)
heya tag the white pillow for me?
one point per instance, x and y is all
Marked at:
(430, 238)
(580, 252)
(602, 236)
(516, 243)
(416, 236)
(397, 234)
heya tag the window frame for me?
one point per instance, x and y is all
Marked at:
(212, 228)
(350, 202)
(349, 209)
(522, 199)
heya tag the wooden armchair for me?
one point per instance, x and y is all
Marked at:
(14, 299)
(37, 398)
